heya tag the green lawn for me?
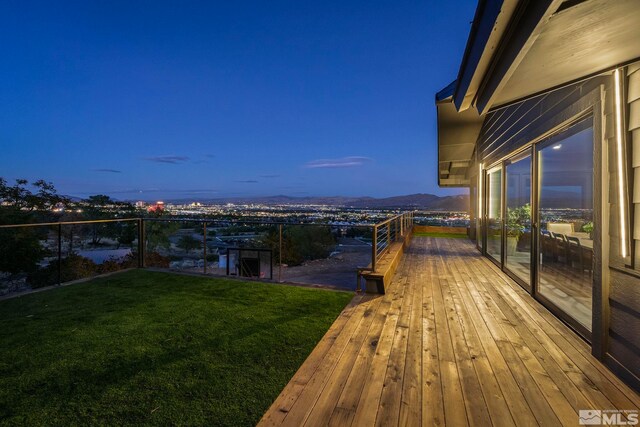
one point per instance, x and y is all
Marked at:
(446, 235)
(154, 348)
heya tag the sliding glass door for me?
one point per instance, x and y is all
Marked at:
(548, 251)
(517, 253)
(494, 213)
(565, 215)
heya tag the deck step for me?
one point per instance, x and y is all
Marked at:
(378, 281)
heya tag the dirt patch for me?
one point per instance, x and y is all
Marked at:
(337, 270)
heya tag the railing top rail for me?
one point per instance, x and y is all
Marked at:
(203, 220)
(196, 220)
(49, 224)
(241, 222)
(393, 218)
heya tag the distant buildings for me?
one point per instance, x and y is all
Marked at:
(157, 208)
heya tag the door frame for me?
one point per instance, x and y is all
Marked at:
(530, 152)
(538, 147)
(486, 172)
(565, 114)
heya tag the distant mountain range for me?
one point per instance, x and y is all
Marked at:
(551, 199)
(415, 201)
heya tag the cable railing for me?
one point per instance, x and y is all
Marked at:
(387, 232)
(38, 255)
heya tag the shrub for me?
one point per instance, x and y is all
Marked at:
(154, 259)
(20, 250)
(73, 267)
(110, 265)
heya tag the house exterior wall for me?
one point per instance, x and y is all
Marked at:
(616, 307)
(623, 346)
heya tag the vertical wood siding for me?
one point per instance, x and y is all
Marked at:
(624, 330)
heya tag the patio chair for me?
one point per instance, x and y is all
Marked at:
(546, 245)
(574, 253)
(560, 247)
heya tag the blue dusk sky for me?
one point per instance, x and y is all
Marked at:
(185, 99)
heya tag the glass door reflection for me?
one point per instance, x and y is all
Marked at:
(565, 211)
(494, 213)
(518, 218)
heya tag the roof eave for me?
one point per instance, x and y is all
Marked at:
(477, 54)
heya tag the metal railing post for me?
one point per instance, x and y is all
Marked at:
(59, 254)
(280, 253)
(374, 248)
(204, 245)
(270, 264)
(141, 243)
(70, 249)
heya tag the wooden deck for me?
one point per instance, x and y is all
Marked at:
(453, 342)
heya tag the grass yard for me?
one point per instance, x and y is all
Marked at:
(444, 235)
(154, 348)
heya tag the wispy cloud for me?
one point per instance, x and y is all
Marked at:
(247, 181)
(344, 162)
(269, 176)
(209, 156)
(167, 159)
(107, 170)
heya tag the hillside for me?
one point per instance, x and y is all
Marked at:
(415, 201)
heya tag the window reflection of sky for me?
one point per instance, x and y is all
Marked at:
(567, 172)
(566, 206)
(519, 183)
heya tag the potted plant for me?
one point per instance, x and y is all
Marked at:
(588, 228)
(517, 218)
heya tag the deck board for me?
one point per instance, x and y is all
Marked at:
(453, 342)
